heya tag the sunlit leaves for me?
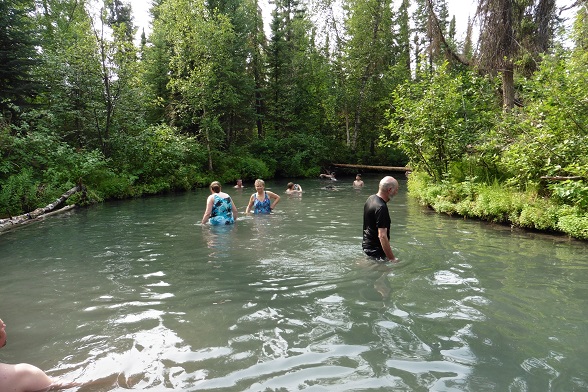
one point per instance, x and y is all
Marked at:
(439, 121)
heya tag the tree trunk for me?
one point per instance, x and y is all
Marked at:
(347, 130)
(39, 213)
(508, 90)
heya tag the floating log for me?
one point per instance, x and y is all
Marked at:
(39, 213)
(369, 167)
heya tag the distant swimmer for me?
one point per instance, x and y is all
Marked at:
(293, 189)
(358, 183)
(328, 176)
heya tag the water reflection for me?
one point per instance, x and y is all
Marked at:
(219, 240)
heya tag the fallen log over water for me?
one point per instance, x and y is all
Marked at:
(369, 167)
(40, 213)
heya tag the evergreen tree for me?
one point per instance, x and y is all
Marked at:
(468, 48)
(18, 57)
(243, 74)
(403, 40)
(71, 70)
(289, 71)
(156, 70)
(370, 51)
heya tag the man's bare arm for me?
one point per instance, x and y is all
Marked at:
(385, 242)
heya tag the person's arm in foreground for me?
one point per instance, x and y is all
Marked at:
(24, 377)
(251, 199)
(208, 210)
(234, 209)
(385, 242)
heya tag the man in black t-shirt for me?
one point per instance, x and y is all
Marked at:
(376, 221)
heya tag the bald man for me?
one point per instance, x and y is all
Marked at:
(376, 221)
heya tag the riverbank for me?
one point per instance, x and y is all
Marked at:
(497, 203)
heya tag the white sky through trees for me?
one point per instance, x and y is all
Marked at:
(462, 9)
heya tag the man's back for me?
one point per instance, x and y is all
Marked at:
(375, 216)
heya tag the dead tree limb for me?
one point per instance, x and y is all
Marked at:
(39, 213)
(562, 178)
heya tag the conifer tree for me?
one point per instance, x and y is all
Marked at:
(18, 56)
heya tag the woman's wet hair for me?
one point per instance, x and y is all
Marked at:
(215, 186)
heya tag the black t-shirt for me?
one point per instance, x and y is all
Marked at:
(375, 215)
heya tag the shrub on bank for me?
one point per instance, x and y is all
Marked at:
(500, 204)
(573, 222)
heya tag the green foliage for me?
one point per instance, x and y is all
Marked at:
(160, 159)
(298, 154)
(245, 167)
(574, 193)
(498, 203)
(495, 203)
(439, 121)
(18, 56)
(548, 137)
(19, 194)
(541, 215)
(574, 223)
(114, 186)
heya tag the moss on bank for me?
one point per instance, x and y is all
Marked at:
(498, 203)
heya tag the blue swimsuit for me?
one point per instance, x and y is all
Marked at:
(222, 211)
(262, 207)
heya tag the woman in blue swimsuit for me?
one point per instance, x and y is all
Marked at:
(220, 209)
(261, 200)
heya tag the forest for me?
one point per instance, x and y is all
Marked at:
(493, 126)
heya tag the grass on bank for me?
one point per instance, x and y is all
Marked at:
(498, 203)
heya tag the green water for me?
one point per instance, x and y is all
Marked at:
(139, 293)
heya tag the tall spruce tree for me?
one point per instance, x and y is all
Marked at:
(243, 74)
(156, 70)
(370, 51)
(18, 56)
(288, 68)
(403, 39)
(71, 71)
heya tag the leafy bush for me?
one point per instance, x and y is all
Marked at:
(542, 215)
(437, 121)
(160, 159)
(548, 136)
(497, 203)
(573, 193)
(574, 224)
(251, 168)
(115, 187)
(19, 194)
